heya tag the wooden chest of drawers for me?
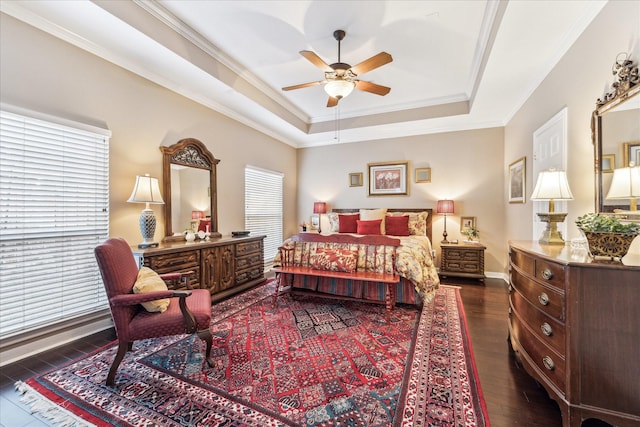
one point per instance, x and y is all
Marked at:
(223, 266)
(575, 327)
(462, 260)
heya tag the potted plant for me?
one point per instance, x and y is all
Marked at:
(607, 235)
(471, 233)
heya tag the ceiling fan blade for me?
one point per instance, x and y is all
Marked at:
(316, 60)
(303, 85)
(372, 87)
(372, 63)
(332, 102)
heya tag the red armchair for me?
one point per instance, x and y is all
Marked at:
(189, 311)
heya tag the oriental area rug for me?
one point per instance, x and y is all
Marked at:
(307, 362)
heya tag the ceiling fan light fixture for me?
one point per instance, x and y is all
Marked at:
(339, 88)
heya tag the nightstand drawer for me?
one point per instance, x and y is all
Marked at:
(466, 255)
(462, 265)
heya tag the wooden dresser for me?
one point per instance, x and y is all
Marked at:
(575, 325)
(462, 260)
(224, 265)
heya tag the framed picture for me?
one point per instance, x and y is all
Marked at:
(423, 175)
(314, 221)
(388, 179)
(355, 179)
(631, 153)
(608, 163)
(467, 222)
(517, 174)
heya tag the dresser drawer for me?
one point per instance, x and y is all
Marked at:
(523, 262)
(546, 328)
(550, 273)
(249, 261)
(256, 272)
(168, 263)
(549, 362)
(544, 298)
(248, 247)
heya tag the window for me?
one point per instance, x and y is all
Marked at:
(263, 208)
(54, 210)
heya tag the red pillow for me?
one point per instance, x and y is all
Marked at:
(348, 224)
(397, 225)
(369, 227)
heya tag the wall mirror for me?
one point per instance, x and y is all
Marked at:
(615, 126)
(189, 184)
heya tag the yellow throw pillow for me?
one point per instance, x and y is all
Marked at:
(149, 281)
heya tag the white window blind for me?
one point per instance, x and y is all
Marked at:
(263, 208)
(54, 210)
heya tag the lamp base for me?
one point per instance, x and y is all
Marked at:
(551, 235)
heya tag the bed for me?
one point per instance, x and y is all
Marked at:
(413, 258)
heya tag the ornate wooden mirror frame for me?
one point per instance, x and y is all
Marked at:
(623, 90)
(190, 153)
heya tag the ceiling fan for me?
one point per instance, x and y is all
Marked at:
(340, 78)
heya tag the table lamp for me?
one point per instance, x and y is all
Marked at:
(552, 185)
(625, 184)
(319, 208)
(146, 191)
(445, 207)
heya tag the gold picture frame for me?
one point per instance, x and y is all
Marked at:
(467, 222)
(355, 179)
(517, 180)
(608, 163)
(630, 153)
(423, 175)
(388, 179)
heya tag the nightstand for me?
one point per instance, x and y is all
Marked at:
(462, 260)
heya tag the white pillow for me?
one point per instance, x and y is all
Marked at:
(149, 281)
(370, 214)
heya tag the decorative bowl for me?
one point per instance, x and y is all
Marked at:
(608, 244)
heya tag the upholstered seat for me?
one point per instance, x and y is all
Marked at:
(188, 311)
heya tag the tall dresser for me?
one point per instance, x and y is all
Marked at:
(224, 266)
(574, 324)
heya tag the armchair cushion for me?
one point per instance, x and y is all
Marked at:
(149, 281)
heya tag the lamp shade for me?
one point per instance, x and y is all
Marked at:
(146, 190)
(319, 207)
(445, 207)
(339, 88)
(552, 185)
(625, 183)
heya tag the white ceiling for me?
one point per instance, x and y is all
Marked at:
(457, 65)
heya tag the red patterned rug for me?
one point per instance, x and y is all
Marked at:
(307, 362)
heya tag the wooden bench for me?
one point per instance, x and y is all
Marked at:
(297, 259)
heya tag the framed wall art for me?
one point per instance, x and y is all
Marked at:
(517, 174)
(467, 222)
(631, 153)
(608, 163)
(355, 179)
(388, 178)
(423, 175)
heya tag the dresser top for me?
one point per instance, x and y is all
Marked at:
(567, 255)
(182, 245)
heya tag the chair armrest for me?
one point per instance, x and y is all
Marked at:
(182, 293)
(133, 299)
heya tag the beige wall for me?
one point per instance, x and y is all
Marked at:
(45, 74)
(581, 76)
(465, 166)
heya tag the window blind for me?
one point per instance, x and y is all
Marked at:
(263, 208)
(54, 210)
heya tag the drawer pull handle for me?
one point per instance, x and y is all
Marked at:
(548, 363)
(547, 274)
(546, 329)
(543, 298)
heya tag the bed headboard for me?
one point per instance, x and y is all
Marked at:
(429, 217)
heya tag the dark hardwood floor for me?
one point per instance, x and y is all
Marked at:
(512, 397)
